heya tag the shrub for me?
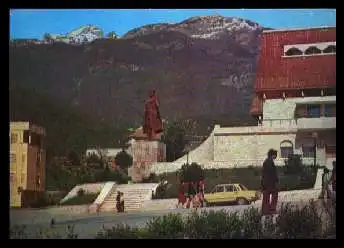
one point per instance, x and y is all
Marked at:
(299, 222)
(124, 160)
(293, 222)
(293, 165)
(81, 199)
(81, 192)
(152, 178)
(191, 173)
(48, 199)
(250, 177)
(118, 232)
(213, 224)
(167, 226)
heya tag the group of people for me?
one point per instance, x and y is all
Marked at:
(191, 194)
(269, 184)
(120, 202)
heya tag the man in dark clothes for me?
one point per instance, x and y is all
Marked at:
(269, 184)
(118, 202)
(122, 202)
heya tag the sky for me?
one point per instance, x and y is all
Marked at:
(30, 23)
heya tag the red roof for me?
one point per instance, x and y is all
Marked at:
(275, 72)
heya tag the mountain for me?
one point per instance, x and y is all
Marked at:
(202, 68)
(81, 35)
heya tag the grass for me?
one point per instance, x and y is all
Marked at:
(81, 199)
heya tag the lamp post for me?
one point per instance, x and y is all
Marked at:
(315, 135)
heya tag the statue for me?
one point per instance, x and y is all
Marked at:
(152, 120)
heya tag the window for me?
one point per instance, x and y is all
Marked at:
(242, 187)
(13, 158)
(26, 136)
(308, 151)
(330, 49)
(293, 52)
(286, 149)
(312, 50)
(300, 111)
(219, 189)
(313, 111)
(14, 138)
(330, 110)
(230, 188)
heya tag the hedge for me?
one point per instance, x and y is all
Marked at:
(249, 176)
(313, 220)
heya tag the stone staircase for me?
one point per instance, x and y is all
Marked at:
(135, 195)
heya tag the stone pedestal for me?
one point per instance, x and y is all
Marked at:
(145, 153)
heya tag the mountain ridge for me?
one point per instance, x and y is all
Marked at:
(200, 71)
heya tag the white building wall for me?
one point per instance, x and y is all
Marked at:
(275, 109)
(229, 147)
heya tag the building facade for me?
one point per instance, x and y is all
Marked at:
(294, 105)
(27, 163)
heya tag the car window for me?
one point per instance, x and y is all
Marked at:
(242, 187)
(230, 188)
(219, 189)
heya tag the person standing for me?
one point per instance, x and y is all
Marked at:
(325, 184)
(269, 184)
(190, 194)
(181, 194)
(122, 202)
(118, 202)
(333, 180)
(201, 190)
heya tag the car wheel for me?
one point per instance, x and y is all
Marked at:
(241, 201)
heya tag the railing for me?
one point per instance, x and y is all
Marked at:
(316, 123)
(280, 123)
(106, 191)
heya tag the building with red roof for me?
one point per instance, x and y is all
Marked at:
(295, 63)
(294, 103)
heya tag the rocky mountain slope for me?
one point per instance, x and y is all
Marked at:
(81, 35)
(202, 68)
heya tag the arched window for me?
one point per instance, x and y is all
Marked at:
(293, 52)
(330, 49)
(312, 50)
(287, 148)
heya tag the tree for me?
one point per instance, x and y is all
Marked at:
(95, 161)
(47, 37)
(174, 138)
(112, 35)
(191, 173)
(73, 158)
(124, 160)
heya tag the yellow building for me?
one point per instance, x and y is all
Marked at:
(27, 163)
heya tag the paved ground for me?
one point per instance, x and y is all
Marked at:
(88, 225)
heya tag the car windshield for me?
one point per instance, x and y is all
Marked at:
(242, 187)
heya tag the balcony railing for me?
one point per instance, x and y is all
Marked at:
(316, 123)
(280, 123)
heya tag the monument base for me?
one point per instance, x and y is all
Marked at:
(145, 153)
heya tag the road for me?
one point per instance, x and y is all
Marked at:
(88, 225)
